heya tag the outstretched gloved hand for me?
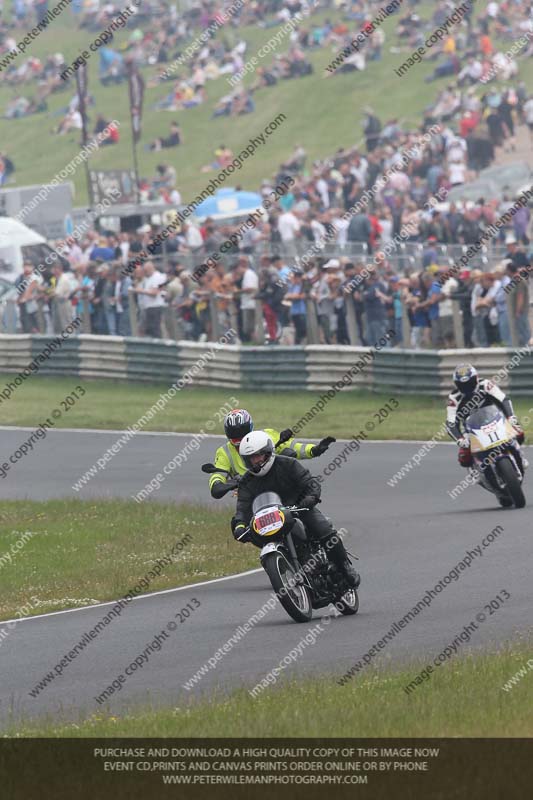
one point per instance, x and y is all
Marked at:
(322, 446)
(285, 435)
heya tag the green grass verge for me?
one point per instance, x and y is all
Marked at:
(110, 405)
(85, 552)
(463, 699)
(310, 105)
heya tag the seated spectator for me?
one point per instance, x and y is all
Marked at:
(101, 125)
(112, 68)
(71, 122)
(223, 157)
(174, 139)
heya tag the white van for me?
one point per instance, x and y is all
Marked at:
(18, 244)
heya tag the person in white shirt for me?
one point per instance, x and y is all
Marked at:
(248, 290)
(62, 307)
(289, 229)
(151, 299)
(483, 298)
(193, 237)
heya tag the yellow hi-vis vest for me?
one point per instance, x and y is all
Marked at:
(228, 458)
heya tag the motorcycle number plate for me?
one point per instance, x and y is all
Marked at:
(268, 521)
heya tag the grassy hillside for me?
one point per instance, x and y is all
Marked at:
(323, 114)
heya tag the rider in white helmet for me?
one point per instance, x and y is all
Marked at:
(472, 393)
(227, 458)
(269, 472)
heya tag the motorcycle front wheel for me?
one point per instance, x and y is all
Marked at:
(349, 603)
(294, 597)
(508, 475)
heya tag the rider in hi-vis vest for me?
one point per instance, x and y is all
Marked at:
(236, 425)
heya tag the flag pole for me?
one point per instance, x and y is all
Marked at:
(136, 88)
(82, 86)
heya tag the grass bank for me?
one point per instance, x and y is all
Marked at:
(81, 552)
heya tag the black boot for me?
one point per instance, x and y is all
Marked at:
(338, 556)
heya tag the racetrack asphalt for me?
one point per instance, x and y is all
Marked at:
(407, 537)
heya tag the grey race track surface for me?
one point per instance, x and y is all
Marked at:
(407, 537)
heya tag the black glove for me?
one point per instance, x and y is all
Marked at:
(322, 446)
(309, 501)
(285, 436)
(221, 488)
(238, 529)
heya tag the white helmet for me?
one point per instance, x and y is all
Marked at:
(257, 452)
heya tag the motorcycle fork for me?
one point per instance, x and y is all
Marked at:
(294, 559)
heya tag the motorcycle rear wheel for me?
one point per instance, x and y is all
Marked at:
(295, 599)
(508, 475)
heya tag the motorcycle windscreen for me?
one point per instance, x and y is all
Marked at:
(487, 428)
(264, 500)
(481, 417)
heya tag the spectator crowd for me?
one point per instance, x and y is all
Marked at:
(373, 267)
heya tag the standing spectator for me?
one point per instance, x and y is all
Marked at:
(418, 315)
(482, 299)
(62, 288)
(504, 329)
(193, 236)
(397, 308)
(520, 304)
(463, 295)
(84, 291)
(151, 299)
(374, 299)
(324, 303)
(339, 309)
(298, 312)
(371, 128)
(360, 229)
(27, 299)
(98, 316)
(449, 287)
(271, 294)
(247, 291)
(122, 303)
(434, 297)
(289, 230)
(109, 301)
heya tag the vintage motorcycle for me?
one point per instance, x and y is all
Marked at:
(496, 455)
(298, 567)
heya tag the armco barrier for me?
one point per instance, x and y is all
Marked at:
(274, 368)
(63, 360)
(314, 368)
(406, 371)
(154, 360)
(221, 364)
(326, 365)
(15, 351)
(103, 359)
(521, 378)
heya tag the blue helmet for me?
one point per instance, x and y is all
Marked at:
(465, 378)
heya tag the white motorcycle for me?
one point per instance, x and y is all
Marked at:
(496, 454)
